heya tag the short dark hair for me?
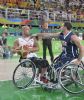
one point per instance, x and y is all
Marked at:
(44, 21)
(68, 25)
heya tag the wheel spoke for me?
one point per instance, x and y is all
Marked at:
(24, 74)
(71, 78)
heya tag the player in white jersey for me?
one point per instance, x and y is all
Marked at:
(26, 46)
(26, 42)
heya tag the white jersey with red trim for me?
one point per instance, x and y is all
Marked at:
(29, 42)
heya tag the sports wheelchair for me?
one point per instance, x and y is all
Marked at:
(70, 77)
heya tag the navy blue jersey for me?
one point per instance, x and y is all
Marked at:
(69, 48)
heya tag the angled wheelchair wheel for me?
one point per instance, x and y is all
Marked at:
(57, 62)
(69, 80)
(54, 69)
(56, 59)
(51, 74)
(79, 74)
(24, 74)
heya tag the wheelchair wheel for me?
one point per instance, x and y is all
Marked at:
(51, 73)
(67, 79)
(79, 74)
(56, 59)
(24, 74)
(54, 72)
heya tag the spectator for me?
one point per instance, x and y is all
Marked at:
(83, 36)
(1, 49)
(4, 26)
(4, 44)
(0, 41)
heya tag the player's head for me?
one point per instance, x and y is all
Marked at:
(4, 34)
(67, 26)
(25, 30)
(45, 24)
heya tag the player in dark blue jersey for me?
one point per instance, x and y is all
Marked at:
(72, 48)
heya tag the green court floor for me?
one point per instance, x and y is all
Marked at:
(9, 92)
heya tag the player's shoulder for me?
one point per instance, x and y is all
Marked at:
(20, 38)
(74, 37)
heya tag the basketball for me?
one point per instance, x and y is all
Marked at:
(24, 50)
(25, 47)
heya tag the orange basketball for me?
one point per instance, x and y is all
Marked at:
(24, 50)
(25, 47)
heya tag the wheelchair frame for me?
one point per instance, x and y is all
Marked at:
(28, 65)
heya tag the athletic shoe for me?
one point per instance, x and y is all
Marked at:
(44, 80)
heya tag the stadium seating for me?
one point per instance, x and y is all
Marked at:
(11, 5)
(23, 4)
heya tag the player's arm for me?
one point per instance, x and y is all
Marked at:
(48, 35)
(16, 48)
(35, 47)
(76, 40)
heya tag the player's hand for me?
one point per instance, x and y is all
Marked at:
(40, 35)
(25, 48)
(76, 61)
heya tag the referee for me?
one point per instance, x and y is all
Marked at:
(46, 42)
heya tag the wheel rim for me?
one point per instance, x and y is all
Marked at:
(68, 83)
(79, 75)
(24, 74)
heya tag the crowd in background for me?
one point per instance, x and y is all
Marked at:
(57, 10)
